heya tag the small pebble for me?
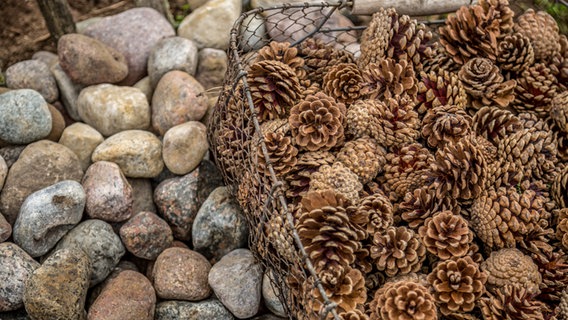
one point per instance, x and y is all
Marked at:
(211, 309)
(35, 75)
(68, 91)
(146, 235)
(11, 154)
(57, 124)
(270, 296)
(47, 57)
(5, 229)
(142, 193)
(24, 116)
(212, 67)
(47, 215)
(63, 278)
(174, 53)
(181, 274)
(82, 139)
(138, 153)
(15, 268)
(150, 266)
(3, 171)
(145, 86)
(184, 147)
(237, 280)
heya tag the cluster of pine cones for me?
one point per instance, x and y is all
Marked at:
(426, 175)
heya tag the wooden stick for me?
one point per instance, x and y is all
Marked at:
(409, 7)
(162, 6)
(57, 17)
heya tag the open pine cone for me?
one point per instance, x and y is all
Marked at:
(509, 303)
(510, 266)
(440, 61)
(422, 204)
(387, 78)
(404, 168)
(536, 87)
(398, 250)
(504, 174)
(446, 235)
(559, 66)
(403, 300)
(349, 292)
(281, 51)
(542, 30)
(281, 151)
(354, 314)
(559, 111)
(515, 54)
(494, 124)
(339, 178)
(559, 188)
(562, 228)
(376, 37)
(299, 177)
(503, 14)
(409, 41)
(363, 119)
(445, 125)
(436, 89)
(320, 57)
(398, 122)
(379, 210)
(343, 82)
(364, 157)
(279, 235)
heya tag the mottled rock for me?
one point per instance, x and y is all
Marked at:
(175, 53)
(179, 199)
(68, 91)
(57, 124)
(88, 61)
(97, 239)
(150, 265)
(220, 226)
(82, 139)
(16, 266)
(5, 229)
(178, 98)
(35, 75)
(270, 297)
(3, 171)
(184, 147)
(211, 309)
(146, 235)
(236, 280)
(95, 291)
(11, 154)
(58, 289)
(138, 153)
(47, 57)
(142, 193)
(47, 215)
(181, 274)
(253, 33)
(211, 33)
(111, 109)
(24, 116)
(145, 86)
(40, 165)
(133, 33)
(128, 296)
(212, 67)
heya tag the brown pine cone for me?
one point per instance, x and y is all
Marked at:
(274, 87)
(376, 37)
(436, 89)
(562, 309)
(409, 41)
(279, 236)
(312, 89)
(510, 266)
(378, 208)
(422, 204)
(446, 235)
(281, 151)
(317, 122)
(404, 168)
(559, 63)
(320, 57)
(339, 178)
(398, 122)
(440, 61)
(445, 125)
(559, 111)
(343, 82)
(503, 14)
(562, 228)
(403, 300)
(503, 174)
(494, 124)
(363, 119)
(387, 78)
(397, 251)
(458, 284)
(509, 303)
(470, 33)
(364, 157)
(536, 87)
(488, 150)
(515, 54)
(543, 32)
(559, 188)
(281, 51)
(354, 314)
(349, 292)
(299, 177)
(553, 267)
(484, 84)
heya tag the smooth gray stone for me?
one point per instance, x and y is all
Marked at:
(24, 116)
(211, 309)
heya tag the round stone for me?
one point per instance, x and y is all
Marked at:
(5, 229)
(82, 139)
(269, 293)
(57, 124)
(211, 309)
(145, 86)
(68, 91)
(253, 33)
(3, 171)
(143, 195)
(16, 266)
(212, 67)
(35, 75)
(184, 147)
(174, 53)
(49, 58)
(146, 235)
(24, 116)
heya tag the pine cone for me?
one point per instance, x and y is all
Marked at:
(422, 204)
(349, 293)
(484, 84)
(471, 33)
(446, 235)
(339, 178)
(488, 150)
(440, 61)
(281, 151)
(457, 284)
(563, 305)
(354, 314)
(343, 82)
(559, 111)
(281, 51)
(511, 267)
(403, 300)
(559, 66)
(445, 125)
(436, 89)
(274, 87)
(398, 122)
(553, 267)
(379, 209)
(562, 228)
(559, 188)
(409, 41)
(397, 251)
(376, 37)
(317, 122)
(299, 177)
(504, 174)
(363, 119)
(515, 54)
(279, 236)
(536, 87)
(387, 78)
(364, 157)
(509, 303)
(495, 124)
(320, 57)
(503, 14)
(543, 32)
(404, 168)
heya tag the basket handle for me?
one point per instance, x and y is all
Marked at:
(409, 7)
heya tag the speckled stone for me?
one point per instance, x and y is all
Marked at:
(11, 154)
(24, 116)
(63, 278)
(146, 235)
(57, 124)
(68, 91)
(3, 171)
(150, 265)
(181, 274)
(179, 199)
(40, 165)
(270, 297)
(184, 147)
(211, 309)
(101, 244)
(5, 229)
(174, 53)
(47, 57)
(35, 75)
(95, 291)
(82, 139)
(220, 226)
(47, 215)
(109, 195)
(212, 67)
(237, 280)
(16, 266)
(128, 296)
(142, 193)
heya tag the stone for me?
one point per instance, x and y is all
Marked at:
(179, 199)
(57, 124)
(142, 193)
(213, 65)
(253, 33)
(181, 274)
(95, 291)
(146, 235)
(47, 215)
(138, 153)
(11, 154)
(24, 116)
(184, 147)
(270, 296)
(174, 53)
(5, 229)
(68, 91)
(128, 296)
(178, 98)
(133, 33)
(150, 266)
(58, 289)
(41, 164)
(88, 61)
(209, 26)
(82, 139)
(19, 314)
(236, 280)
(211, 309)
(220, 226)
(81, 26)
(269, 316)
(111, 109)
(99, 242)
(3, 171)
(16, 266)
(145, 86)
(35, 75)
(49, 58)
